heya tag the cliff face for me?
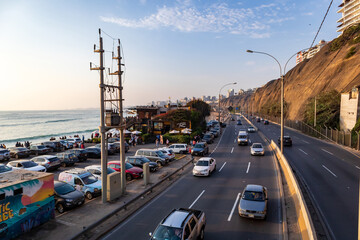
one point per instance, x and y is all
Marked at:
(326, 71)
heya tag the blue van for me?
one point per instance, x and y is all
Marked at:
(83, 181)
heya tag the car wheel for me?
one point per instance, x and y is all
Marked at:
(215, 168)
(60, 208)
(201, 236)
(63, 164)
(159, 163)
(128, 177)
(89, 195)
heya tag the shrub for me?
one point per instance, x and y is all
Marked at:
(148, 138)
(96, 140)
(351, 52)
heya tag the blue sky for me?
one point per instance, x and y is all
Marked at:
(171, 48)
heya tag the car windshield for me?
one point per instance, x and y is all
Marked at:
(29, 164)
(160, 153)
(207, 136)
(202, 163)
(253, 196)
(41, 147)
(143, 159)
(165, 232)
(3, 151)
(63, 189)
(257, 146)
(128, 166)
(4, 168)
(21, 149)
(89, 179)
(199, 146)
(110, 170)
(53, 159)
(251, 127)
(242, 136)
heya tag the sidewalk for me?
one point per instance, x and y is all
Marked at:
(68, 224)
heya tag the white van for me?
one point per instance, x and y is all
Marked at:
(243, 138)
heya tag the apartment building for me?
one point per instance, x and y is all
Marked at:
(350, 10)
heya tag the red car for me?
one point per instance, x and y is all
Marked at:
(131, 171)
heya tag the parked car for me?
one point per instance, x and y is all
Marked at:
(153, 155)
(80, 153)
(26, 165)
(39, 150)
(83, 181)
(168, 152)
(4, 168)
(131, 171)
(67, 145)
(111, 148)
(207, 138)
(287, 141)
(117, 145)
(139, 161)
(266, 122)
(215, 132)
(54, 146)
(74, 140)
(93, 152)
(253, 202)
(181, 223)
(179, 148)
(251, 129)
(200, 149)
(67, 159)
(66, 196)
(19, 152)
(204, 166)
(257, 149)
(96, 170)
(50, 162)
(4, 154)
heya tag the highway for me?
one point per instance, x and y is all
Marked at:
(331, 174)
(216, 195)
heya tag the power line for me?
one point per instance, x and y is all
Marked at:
(321, 24)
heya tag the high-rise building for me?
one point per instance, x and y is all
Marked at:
(350, 10)
(230, 93)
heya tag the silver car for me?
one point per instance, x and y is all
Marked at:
(257, 149)
(253, 202)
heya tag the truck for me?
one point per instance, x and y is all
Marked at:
(181, 224)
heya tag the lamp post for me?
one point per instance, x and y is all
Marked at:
(282, 92)
(220, 92)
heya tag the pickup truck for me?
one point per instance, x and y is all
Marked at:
(181, 224)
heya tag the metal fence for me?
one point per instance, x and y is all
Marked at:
(327, 133)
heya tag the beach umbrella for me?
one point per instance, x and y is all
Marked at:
(136, 132)
(173, 132)
(126, 131)
(185, 131)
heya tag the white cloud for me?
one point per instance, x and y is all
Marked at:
(308, 14)
(185, 17)
(250, 63)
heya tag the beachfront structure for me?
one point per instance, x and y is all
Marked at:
(302, 55)
(26, 201)
(350, 10)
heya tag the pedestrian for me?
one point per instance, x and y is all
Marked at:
(82, 146)
(157, 143)
(92, 136)
(161, 140)
(167, 142)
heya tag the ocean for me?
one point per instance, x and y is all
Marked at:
(39, 126)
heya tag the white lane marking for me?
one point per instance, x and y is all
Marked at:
(233, 208)
(296, 137)
(303, 151)
(305, 141)
(222, 166)
(197, 199)
(232, 149)
(65, 223)
(249, 140)
(357, 167)
(327, 151)
(329, 171)
(235, 140)
(248, 168)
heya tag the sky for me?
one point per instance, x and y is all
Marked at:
(171, 48)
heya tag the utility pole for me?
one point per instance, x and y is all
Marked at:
(102, 120)
(315, 113)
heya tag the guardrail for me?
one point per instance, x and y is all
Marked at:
(84, 233)
(305, 223)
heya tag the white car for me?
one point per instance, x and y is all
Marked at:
(4, 154)
(204, 166)
(169, 152)
(26, 165)
(179, 148)
(257, 149)
(5, 169)
(96, 170)
(251, 129)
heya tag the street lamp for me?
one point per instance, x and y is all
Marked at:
(282, 92)
(220, 92)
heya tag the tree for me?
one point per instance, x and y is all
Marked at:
(200, 106)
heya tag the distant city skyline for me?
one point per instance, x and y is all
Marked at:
(171, 48)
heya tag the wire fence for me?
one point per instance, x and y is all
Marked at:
(341, 137)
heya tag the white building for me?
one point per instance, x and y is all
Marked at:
(310, 52)
(349, 109)
(231, 93)
(350, 10)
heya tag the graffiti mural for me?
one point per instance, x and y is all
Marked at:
(25, 205)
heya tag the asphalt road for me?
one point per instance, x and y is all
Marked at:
(331, 174)
(216, 195)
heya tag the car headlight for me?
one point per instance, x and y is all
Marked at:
(68, 200)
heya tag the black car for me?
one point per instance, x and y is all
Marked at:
(239, 122)
(200, 149)
(138, 161)
(111, 148)
(223, 125)
(19, 152)
(207, 138)
(54, 146)
(93, 152)
(39, 150)
(66, 196)
(266, 122)
(81, 154)
(287, 141)
(67, 159)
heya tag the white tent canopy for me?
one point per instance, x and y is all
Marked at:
(173, 132)
(136, 132)
(126, 131)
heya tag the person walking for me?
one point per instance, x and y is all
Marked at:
(157, 143)
(167, 142)
(161, 140)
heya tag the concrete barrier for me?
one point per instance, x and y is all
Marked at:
(305, 224)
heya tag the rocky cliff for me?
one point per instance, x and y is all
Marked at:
(335, 67)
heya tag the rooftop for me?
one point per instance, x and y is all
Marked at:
(18, 176)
